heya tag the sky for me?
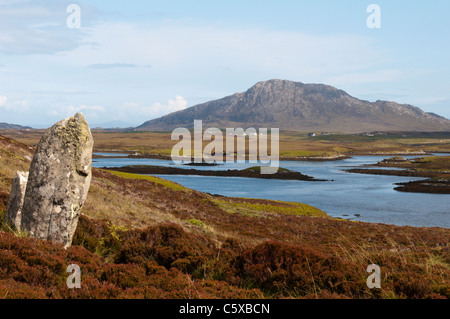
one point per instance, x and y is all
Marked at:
(132, 61)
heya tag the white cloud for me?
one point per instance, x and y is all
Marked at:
(151, 59)
(180, 49)
(66, 111)
(3, 100)
(20, 105)
(16, 106)
(111, 65)
(139, 112)
(38, 27)
(176, 105)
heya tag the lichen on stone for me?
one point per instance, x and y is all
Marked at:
(75, 135)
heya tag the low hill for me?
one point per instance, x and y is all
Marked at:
(7, 126)
(297, 106)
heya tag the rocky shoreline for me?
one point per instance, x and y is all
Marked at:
(392, 172)
(438, 181)
(253, 172)
(425, 186)
(420, 153)
(315, 158)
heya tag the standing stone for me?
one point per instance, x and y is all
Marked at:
(59, 180)
(13, 214)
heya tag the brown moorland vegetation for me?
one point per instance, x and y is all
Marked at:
(293, 145)
(145, 237)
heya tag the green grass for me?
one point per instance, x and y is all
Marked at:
(430, 159)
(162, 151)
(7, 228)
(305, 154)
(12, 155)
(142, 166)
(285, 208)
(435, 163)
(152, 179)
(196, 222)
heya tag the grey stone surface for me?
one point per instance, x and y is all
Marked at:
(13, 215)
(59, 180)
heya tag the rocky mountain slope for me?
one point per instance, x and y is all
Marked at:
(301, 107)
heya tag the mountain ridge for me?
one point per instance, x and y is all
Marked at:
(298, 106)
(7, 126)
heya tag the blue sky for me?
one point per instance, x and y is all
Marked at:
(137, 60)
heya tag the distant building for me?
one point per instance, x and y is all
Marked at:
(311, 134)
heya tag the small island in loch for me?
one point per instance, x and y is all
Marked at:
(251, 172)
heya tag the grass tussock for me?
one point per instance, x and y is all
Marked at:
(152, 179)
(265, 208)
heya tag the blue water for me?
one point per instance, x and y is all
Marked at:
(344, 194)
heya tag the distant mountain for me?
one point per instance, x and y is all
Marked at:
(301, 107)
(112, 125)
(6, 126)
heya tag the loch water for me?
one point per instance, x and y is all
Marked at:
(362, 197)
